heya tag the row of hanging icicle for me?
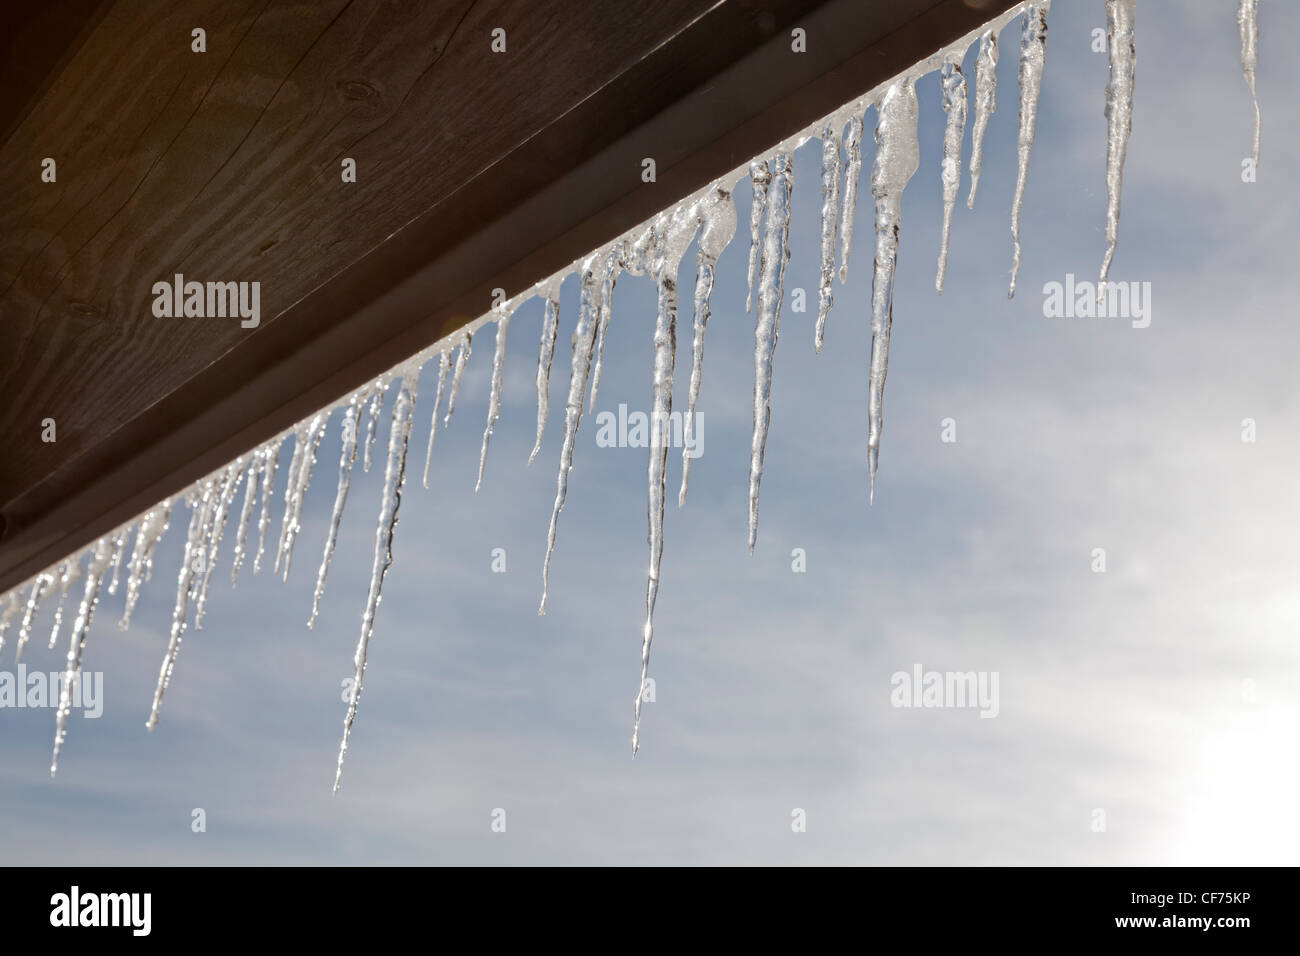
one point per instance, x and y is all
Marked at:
(654, 250)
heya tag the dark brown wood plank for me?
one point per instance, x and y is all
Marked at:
(36, 41)
(476, 170)
(225, 167)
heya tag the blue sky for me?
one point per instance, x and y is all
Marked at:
(1163, 691)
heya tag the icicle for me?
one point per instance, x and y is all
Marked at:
(853, 149)
(830, 209)
(315, 432)
(142, 532)
(286, 519)
(95, 570)
(202, 503)
(677, 234)
(372, 421)
(1033, 40)
(953, 85)
(351, 422)
(40, 585)
(119, 545)
(986, 85)
(399, 437)
(545, 353)
(68, 574)
(163, 524)
(61, 578)
(268, 489)
(637, 258)
(494, 397)
(140, 568)
(759, 176)
(719, 226)
(1248, 27)
(444, 364)
(767, 327)
(584, 339)
(602, 326)
(897, 156)
(462, 357)
(296, 492)
(1119, 119)
(229, 485)
(12, 606)
(256, 462)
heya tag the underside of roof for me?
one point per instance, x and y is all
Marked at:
(476, 169)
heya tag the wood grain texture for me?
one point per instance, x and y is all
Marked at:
(224, 165)
(474, 170)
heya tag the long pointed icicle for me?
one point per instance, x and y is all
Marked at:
(1033, 46)
(897, 156)
(830, 212)
(676, 236)
(296, 492)
(399, 438)
(42, 582)
(629, 256)
(1119, 119)
(229, 485)
(767, 326)
(256, 462)
(545, 354)
(1248, 27)
(61, 581)
(595, 270)
(372, 422)
(602, 327)
(351, 423)
(986, 87)
(68, 574)
(444, 365)
(140, 568)
(291, 481)
(953, 85)
(115, 563)
(201, 506)
(268, 489)
(760, 175)
(494, 397)
(852, 171)
(718, 213)
(95, 571)
(462, 357)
